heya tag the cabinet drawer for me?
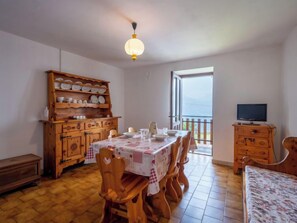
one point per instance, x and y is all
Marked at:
(92, 124)
(71, 127)
(251, 141)
(253, 131)
(259, 153)
(253, 152)
(109, 123)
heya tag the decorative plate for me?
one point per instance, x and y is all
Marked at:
(130, 134)
(59, 79)
(87, 87)
(101, 99)
(76, 86)
(95, 89)
(65, 86)
(94, 99)
(102, 89)
(160, 137)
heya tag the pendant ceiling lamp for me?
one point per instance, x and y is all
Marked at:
(134, 46)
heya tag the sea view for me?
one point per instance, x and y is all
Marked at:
(197, 100)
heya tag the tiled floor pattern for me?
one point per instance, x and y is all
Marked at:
(214, 196)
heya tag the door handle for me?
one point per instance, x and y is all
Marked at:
(63, 137)
(63, 161)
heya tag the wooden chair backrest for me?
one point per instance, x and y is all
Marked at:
(112, 170)
(174, 155)
(113, 133)
(185, 146)
(131, 129)
(287, 165)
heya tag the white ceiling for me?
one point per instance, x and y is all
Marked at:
(171, 30)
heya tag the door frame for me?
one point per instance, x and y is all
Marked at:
(175, 116)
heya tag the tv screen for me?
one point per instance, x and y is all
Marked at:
(252, 112)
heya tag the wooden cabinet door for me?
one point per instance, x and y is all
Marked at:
(94, 136)
(73, 146)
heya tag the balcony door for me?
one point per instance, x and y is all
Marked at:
(175, 101)
(191, 106)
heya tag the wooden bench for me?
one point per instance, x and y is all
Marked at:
(18, 171)
(269, 190)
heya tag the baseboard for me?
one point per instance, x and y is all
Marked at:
(224, 163)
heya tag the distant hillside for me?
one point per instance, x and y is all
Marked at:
(200, 106)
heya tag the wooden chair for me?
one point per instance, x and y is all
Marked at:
(120, 190)
(113, 133)
(183, 160)
(168, 183)
(131, 129)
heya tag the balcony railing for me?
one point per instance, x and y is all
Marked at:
(201, 128)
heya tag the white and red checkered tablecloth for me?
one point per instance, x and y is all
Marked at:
(149, 158)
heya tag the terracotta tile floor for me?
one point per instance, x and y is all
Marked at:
(214, 196)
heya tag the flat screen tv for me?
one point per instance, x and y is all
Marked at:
(252, 112)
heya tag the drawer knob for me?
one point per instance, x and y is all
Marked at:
(254, 131)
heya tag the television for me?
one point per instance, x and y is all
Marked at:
(252, 112)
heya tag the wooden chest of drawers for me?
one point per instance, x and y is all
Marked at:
(255, 141)
(18, 171)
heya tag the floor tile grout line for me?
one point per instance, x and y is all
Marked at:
(195, 190)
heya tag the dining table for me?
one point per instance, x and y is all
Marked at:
(146, 157)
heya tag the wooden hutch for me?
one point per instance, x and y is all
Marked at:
(79, 114)
(255, 141)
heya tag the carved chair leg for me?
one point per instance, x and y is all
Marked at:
(177, 187)
(182, 177)
(170, 190)
(160, 202)
(135, 211)
(106, 215)
(148, 209)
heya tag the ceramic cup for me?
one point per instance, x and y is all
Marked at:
(69, 100)
(60, 99)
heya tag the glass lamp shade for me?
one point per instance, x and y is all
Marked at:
(134, 47)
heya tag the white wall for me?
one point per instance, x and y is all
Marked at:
(249, 76)
(290, 84)
(23, 90)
